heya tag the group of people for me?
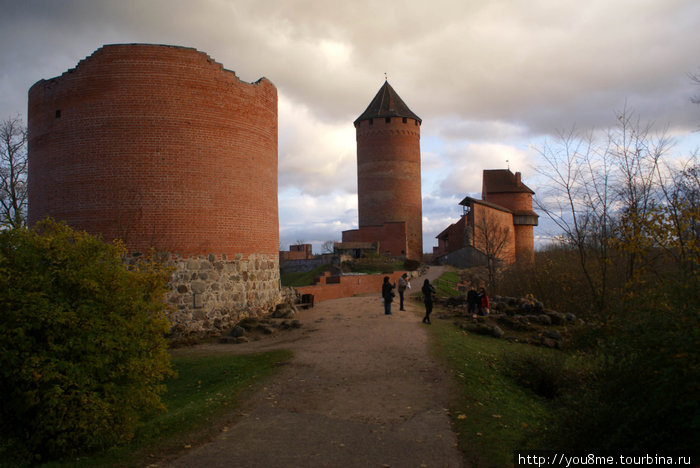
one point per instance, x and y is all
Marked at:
(478, 302)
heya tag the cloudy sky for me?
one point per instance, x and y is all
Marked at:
(491, 79)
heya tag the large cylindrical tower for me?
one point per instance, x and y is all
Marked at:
(388, 167)
(162, 147)
(159, 146)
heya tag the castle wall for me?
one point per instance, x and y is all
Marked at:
(335, 287)
(209, 294)
(389, 177)
(516, 201)
(162, 147)
(392, 237)
(524, 243)
(493, 227)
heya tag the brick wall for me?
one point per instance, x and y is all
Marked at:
(335, 287)
(513, 201)
(524, 248)
(160, 146)
(489, 225)
(389, 177)
(392, 237)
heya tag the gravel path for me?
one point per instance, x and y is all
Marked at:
(361, 391)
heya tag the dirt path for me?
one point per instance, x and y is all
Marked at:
(361, 391)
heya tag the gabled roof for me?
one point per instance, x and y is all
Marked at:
(503, 181)
(387, 104)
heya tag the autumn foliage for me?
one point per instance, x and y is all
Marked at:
(82, 348)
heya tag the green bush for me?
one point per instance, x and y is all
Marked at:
(82, 347)
(645, 395)
(545, 372)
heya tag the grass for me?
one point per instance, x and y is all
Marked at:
(373, 266)
(303, 278)
(445, 284)
(200, 400)
(492, 414)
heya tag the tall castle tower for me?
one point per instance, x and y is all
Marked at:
(388, 169)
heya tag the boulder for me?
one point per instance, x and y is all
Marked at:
(553, 334)
(555, 317)
(496, 332)
(544, 319)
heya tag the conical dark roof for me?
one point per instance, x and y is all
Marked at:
(387, 104)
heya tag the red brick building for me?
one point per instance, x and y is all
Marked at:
(297, 252)
(500, 225)
(389, 177)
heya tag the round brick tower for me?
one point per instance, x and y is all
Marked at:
(388, 168)
(162, 147)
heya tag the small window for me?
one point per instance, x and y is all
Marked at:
(58, 113)
(371, 121)
(404, 120)
(387, 119)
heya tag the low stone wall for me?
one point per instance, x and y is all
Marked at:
(210, 294)
(335, 287)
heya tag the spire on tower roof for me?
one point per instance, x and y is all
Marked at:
(387, 103)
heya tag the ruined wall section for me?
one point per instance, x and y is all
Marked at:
(162, 147)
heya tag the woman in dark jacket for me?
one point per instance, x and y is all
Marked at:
(428, 292)
(387, 294)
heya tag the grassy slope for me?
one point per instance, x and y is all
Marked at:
(200, 400)
(304, 278)
(491, 413)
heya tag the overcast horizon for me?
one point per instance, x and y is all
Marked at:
(490, 80)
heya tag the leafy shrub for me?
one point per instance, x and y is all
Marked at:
(545, 373)
(645, 396)
(82, 347)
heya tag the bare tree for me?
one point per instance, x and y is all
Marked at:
(673, 225)
(328, 247)
(492, 239)
(635, 153)
(13, 173)
(696, 79)
(600, 194)
(578, 201)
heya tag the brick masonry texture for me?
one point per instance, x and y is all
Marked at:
(389, 177)
(334, 287)
(162, 147)
(391, 236)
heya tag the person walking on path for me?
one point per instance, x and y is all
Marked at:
(428, 292)
(403, 284)
(473, 301)
(483, 302)
(388, 295)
